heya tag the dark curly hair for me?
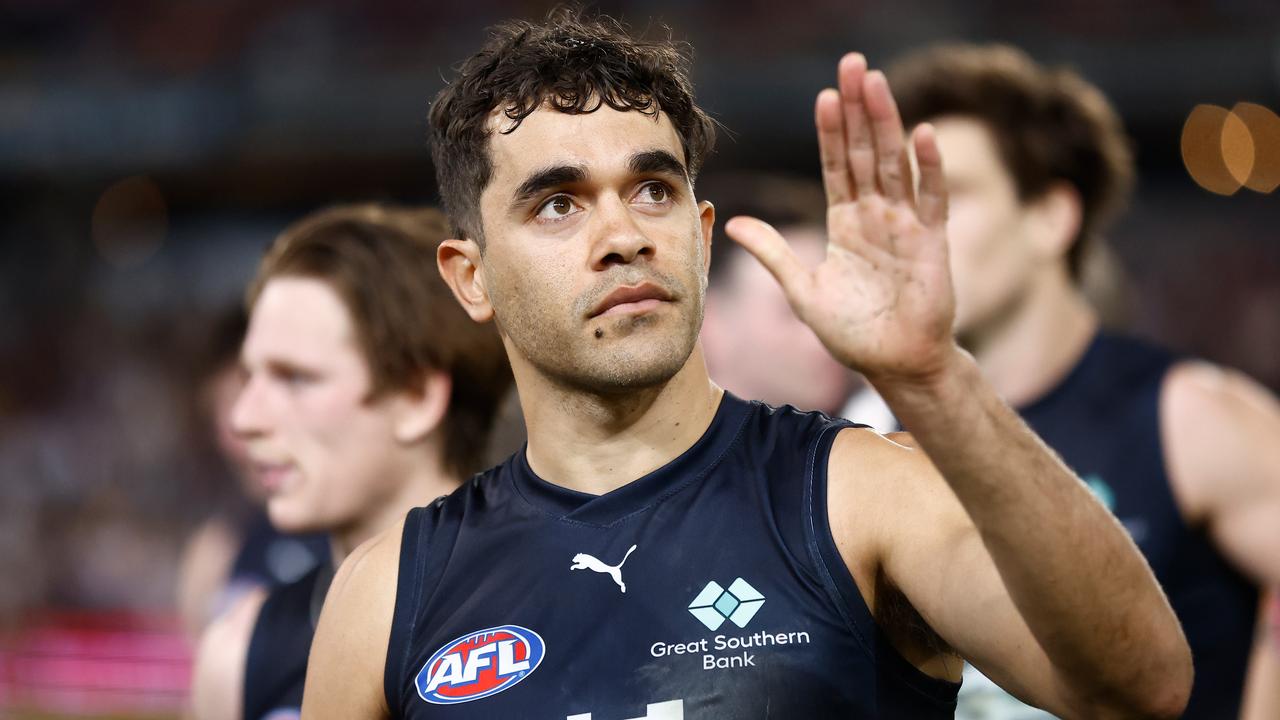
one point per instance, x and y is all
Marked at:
(1049, 124)
(572, 62)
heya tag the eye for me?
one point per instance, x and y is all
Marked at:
(557, 207)
(292, 377)
(654, 193)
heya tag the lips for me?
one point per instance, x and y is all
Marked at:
(272, 475)
(631, 298)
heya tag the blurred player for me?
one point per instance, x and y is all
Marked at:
(236, 549)
(663, 549)
(1183, 452)
(368, 392)
(755, 345)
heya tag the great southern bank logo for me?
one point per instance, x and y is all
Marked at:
(480, 664)
(738, 604)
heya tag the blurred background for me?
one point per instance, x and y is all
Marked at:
(150, 150)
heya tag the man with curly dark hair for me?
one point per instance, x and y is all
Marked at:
(661, 548)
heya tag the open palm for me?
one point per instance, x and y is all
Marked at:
(882, 300)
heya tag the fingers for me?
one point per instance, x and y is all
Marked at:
(831, 147)
(931, 205)
(858, 141)
(860, 136)
(772, 250)
(892, 166)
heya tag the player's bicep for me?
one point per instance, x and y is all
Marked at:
(930, 550)
(958, 591)
(348, 655)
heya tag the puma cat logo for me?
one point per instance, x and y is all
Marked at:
(583, 561)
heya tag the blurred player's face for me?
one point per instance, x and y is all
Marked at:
(326, 457)
(757, 347)
(597, 272)
(992, 260)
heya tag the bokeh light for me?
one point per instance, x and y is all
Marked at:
(1264, 130)
(1225, 150)
(1202, 150)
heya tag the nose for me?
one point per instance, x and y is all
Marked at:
(619, 240)
(248, 416)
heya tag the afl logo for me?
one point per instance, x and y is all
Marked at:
(480, 664)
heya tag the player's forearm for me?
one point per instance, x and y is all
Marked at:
(1084, 589)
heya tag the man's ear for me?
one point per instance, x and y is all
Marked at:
(707, 217)
(460, 266)
(418, 411)
(1055, 220)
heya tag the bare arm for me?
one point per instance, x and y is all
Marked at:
(1262, 689)
(1220, 433)
(1051, 597)
(882, 303)
(217, 687)
(349, 653)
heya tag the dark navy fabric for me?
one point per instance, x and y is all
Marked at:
(270, 558)
(276, 665)
(782, 633)
(1104, 419)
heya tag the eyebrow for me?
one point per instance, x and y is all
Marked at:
(548, 178)
(642, 163)
(656, 161)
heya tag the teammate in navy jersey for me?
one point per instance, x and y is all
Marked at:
(368, 392)
(1183, 452)
(660, 549)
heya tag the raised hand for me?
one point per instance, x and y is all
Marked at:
(882, 300)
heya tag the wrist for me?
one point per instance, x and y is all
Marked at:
(935, 381)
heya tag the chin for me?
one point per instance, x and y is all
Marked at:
(636, 363)
(288, 518)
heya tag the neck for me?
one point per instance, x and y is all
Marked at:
(596, 443)
(1030, 349)
(424, 481)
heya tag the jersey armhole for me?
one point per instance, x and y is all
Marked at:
(843, 589)
(404, 617)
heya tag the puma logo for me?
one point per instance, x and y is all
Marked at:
(583, 561)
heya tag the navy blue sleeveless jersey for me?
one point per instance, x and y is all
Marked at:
(708, 589)
(276, 665)
(1104, 419)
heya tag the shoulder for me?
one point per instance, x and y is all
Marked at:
(1194, 388)
(1214, 422)
(349, 653)
(876, 484)
(370, 571)
(218, 682)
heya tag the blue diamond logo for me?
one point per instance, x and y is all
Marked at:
(715, 604)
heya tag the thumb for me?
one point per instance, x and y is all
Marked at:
(771, 249)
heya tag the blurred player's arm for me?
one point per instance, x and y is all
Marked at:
(348, 655)
(1220, 430)
(1262, 687)
(217, 686)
